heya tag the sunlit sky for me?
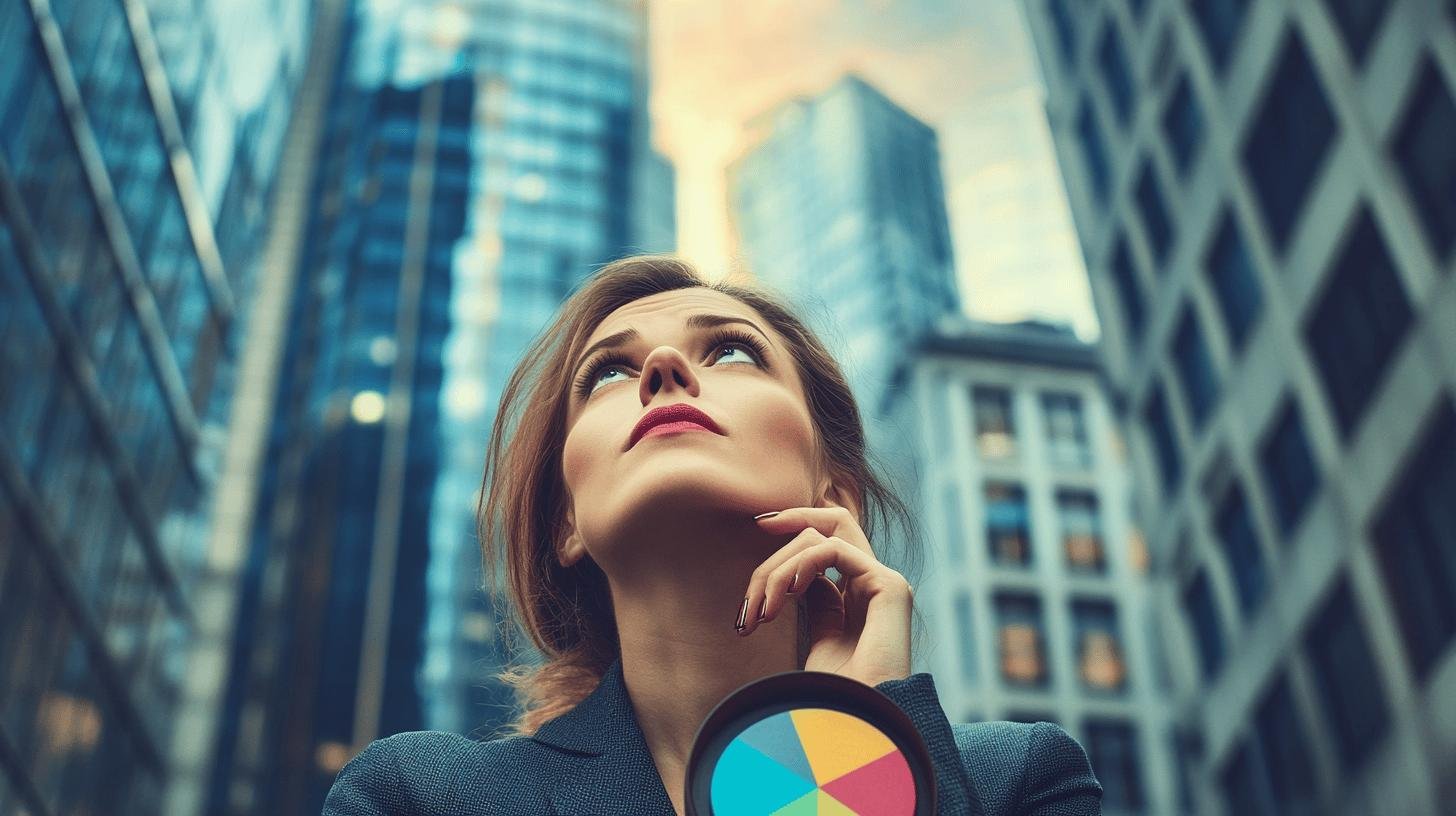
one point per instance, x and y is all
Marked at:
(968, 69)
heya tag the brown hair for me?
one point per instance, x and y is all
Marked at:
(567, 612)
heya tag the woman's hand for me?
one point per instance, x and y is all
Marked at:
(860, 630)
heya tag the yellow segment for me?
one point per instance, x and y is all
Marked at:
(829, 806)
(837, 743)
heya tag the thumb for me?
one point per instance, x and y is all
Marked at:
(825, 607)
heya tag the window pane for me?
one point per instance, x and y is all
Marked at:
(1081, 531)
(1094, 152)
(1359, 22)
(1219, 20)
(1129, 294)
(1284, 746)
(1288, 467)
(1231, 272)
(1066, 430)
(1245, 558)
(1292, 133)
(1244, 791)
(1008, 525)
(1199, 606)
(1416, 540)
(1195, 368)
(1427, 159)
(1113, 64)
(1344, 672)
(1183, 123)
(1113, 750)
(1021, 640)
(1098, 646)
(1154, 214)
(1358, 323)
(995, 424)
(1165, 445)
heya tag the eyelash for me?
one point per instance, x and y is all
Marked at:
(719, 339)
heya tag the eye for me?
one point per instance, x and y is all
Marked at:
(743, 353)
(607, 372)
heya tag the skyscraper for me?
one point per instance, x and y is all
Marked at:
(1263, 193)
(134, 168)
(1038, 601)
(839, 205)
(330, 631)
(564, 180)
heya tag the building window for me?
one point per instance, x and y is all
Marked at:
(1235, 286)
(1345, 674)
(1359, 22)
(1008, 525)
(1113, 63)
(1165, 445)
(1081, 531)
(967, 631)
(995, 423)
(1094, 152)
(1065, 28)
(955, 531)
(1415, 537)
(1292, 133)
(1183, 123)
(1219, 20)
(1357, 324)
(1066, 430)
(1243, 788)
(1195, 368)
(1283, 743)
(1202, 612)
(1154, 214)
(1423, 148)
(1021, 640)
(1235, 526)
(1288, 467)
(1129, 294)
(1113, 751)
(1100, 664)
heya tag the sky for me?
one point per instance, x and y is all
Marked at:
(968, 69)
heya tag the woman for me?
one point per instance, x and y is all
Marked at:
(674, 467)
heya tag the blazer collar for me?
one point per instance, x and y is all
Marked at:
(616, 772)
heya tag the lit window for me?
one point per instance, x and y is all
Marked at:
(1020, 640)
(1100, 663)
(1008, 525)
(1081, 531)
(995, 426)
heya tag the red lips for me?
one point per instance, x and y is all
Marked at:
(681, 412)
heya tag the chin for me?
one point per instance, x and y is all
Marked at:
(692, 489)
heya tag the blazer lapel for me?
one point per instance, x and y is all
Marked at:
(611, 770)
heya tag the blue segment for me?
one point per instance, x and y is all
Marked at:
(777, 739)
(748, 783)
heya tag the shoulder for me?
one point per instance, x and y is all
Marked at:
(425, 771)
(1027, 767)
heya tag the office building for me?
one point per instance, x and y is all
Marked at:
(1263, 194)
(839, 206)
(135, 166)
(1035, 592)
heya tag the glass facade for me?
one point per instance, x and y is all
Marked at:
(1289, 468)
(1346, 676)
(1235, 285)
(1129, 293)
(1183, 124)
(1427, 163)
(128, 234)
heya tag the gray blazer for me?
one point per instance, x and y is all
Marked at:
(593, 761)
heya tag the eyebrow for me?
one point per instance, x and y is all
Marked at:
(697, 321)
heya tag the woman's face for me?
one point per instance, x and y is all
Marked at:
(763, 459)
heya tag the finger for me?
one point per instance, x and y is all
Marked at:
(756, 594)
(824, 604)
(831, 521)
(814, 559)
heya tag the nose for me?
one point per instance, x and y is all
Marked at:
(665, 369)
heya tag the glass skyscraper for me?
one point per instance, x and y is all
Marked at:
(563, 181)
(136, 158)
(840, 206)
(1264, 194)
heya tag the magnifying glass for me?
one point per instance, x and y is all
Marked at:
(806, 743)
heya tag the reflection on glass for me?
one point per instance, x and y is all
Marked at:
(1008, 526)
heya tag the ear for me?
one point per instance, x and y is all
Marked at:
(834, 494)
(571, 548)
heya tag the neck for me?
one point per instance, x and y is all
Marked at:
(675, 607)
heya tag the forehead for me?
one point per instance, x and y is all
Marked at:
(668, 310)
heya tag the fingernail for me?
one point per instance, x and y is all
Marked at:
(793, 583)
(742, 616)
(762, 607)
(762, 516)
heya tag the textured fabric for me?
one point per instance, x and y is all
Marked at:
(593, 761)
